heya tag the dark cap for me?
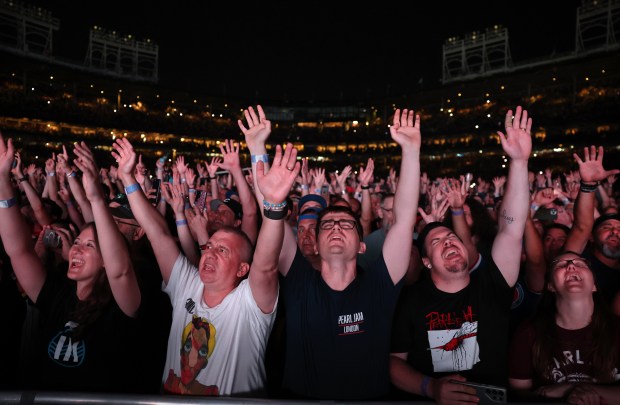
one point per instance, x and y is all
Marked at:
(121, 211)
(604, 218)
(234, 205)
(424, 233)
(312, 197)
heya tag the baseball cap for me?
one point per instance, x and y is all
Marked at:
(604, 218)
(234, 205)
(312, 197)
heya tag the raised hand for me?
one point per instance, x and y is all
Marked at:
(366, 174)
(181, 166)
(17, 170)
(230, 155)
(174, 196)
(7, 156)
(90, 172)
(341, 178)
(213, 166)
(405, 129)
(258, 129)
(318, 178)
(517, 142)
(275, 185)
(591, 167)
(125, 156)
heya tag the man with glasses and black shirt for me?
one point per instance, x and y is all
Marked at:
(338, 319)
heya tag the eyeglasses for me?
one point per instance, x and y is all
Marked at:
(118, 221)
(577, 262)
(342, 223)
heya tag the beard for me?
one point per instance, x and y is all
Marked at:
(456, 267)
(608, 251)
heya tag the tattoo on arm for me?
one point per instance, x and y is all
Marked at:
(508, 219)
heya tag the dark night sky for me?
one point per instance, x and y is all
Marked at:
(313, 51)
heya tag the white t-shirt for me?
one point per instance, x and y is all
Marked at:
(238, 332)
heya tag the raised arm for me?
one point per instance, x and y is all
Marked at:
(456, 195)
(154, 225)
(406, 132)
(256, 134)
(517, 143)
(365, 177)
(15, 233)
(114, 250)
(591, 172)
(174, 195)
(230, 162)
(274, 186)
(76, 187)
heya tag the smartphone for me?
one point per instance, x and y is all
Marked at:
(546, 214)
(488, 394)
(157, 186)
(324, 189)
(201, 201)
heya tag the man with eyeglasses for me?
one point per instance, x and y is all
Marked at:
(436, 337)
(338, 320)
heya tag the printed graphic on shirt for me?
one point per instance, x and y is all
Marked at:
(198, 342)
(570, 369)
(452, 340)
(351, 324)
(63, 350)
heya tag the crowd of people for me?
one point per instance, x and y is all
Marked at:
(287, 282)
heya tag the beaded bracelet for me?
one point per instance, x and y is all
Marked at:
(273, 207)
(131, 188)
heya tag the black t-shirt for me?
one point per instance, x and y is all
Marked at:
(607, 278)
(337, 342)
(464, 332)
(106, 359)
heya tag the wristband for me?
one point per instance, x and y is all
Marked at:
(7, 203)
(343, 192)
(192, 190)
(260, 158)
(305, 187)
(534, 207)
(317, 190)
(130, 189)
(365, 187)
(271, 214)
(181, 222)
(183, 180)
(457, 211)
(587, 188)
(51, 174)
(72, 174)
(23, 179)
(424, 385)
(69, 204)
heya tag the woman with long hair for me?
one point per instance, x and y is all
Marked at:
(88, 316)
(569, 349)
